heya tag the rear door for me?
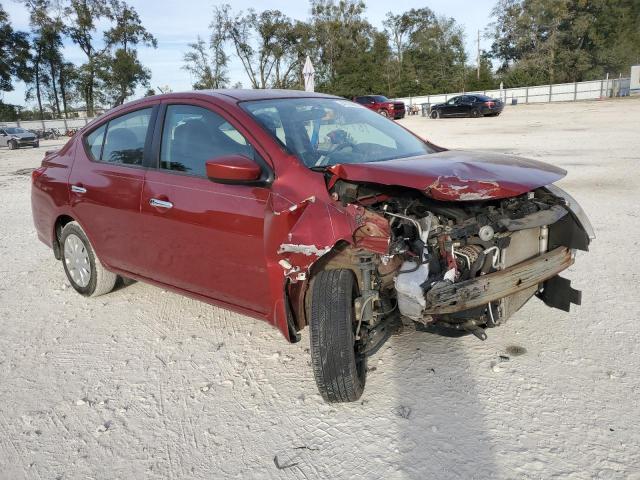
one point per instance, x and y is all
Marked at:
(106, 182)
(201, 236)
(465, 105)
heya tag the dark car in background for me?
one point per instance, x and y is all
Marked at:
(468, 106)
(382, 105)
(15, 137)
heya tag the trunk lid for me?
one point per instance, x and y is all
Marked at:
(456, 175)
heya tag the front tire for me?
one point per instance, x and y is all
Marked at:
(435, 114)
(339, 372)
(384, 113)
(84, 270)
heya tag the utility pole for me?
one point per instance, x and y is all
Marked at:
(478, 58)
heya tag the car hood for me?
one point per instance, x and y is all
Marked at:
(22, 135)
(456, 175)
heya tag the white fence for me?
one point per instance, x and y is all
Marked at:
(559, 92)
(63, 124)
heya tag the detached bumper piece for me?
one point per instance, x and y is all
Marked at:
(557, 293)
(494, 286)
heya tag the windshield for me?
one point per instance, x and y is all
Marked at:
(323, 131)
(14, 130)
(380, 98)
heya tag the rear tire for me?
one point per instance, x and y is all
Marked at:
(475, 113)
(339, 372)
(84, 270)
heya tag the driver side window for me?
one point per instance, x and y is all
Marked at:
(193, 135)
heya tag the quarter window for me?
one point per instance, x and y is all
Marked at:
(94, 141)
(193, 135)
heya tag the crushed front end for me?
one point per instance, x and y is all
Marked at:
(460, 267)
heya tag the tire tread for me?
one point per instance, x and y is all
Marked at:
(332, 352)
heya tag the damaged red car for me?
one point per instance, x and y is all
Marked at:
(307, 209)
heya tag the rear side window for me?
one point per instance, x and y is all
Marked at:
(122, 139)
(192, 135)
(95, 140)
(125, 138)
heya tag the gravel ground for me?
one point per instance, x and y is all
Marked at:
(144, 383)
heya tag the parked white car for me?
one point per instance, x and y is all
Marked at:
(16, 137)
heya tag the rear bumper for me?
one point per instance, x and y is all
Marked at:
(490, 111)
(482, 290)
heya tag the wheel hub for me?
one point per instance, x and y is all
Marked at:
(76, 258)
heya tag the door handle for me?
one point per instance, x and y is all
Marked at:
(78, 189)
(154, 202)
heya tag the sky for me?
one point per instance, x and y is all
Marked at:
(177, 23)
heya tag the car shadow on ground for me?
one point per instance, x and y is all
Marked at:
(444, 434)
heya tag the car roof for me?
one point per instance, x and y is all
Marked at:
(242, 94)
(227, 95)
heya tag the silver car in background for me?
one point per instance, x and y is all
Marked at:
(16, 137)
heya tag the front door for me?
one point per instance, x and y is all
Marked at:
(449, 108)
(201, 236)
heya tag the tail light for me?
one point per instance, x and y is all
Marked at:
(489, 104)
(37, 173)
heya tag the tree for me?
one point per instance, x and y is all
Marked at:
(428, 52)
(128, 30)
(341, 35)
(197, 62)
(123, 72)
(550, 41)
(401, 27)
(83, 15)
(14, 54)
(267, 44)
(217, 41)
(45, 18)
(68, 75)
(208, 65)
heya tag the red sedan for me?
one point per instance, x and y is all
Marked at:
(307, 209)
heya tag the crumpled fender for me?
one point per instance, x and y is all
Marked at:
(297, 235)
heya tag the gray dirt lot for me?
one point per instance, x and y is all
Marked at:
(144, 383)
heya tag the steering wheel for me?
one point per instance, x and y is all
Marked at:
(354, 148)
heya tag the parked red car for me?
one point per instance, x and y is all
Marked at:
(307, 209)
(382, 105)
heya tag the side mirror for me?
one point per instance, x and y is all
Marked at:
(233, 169)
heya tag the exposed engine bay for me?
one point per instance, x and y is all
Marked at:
(461, 267)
